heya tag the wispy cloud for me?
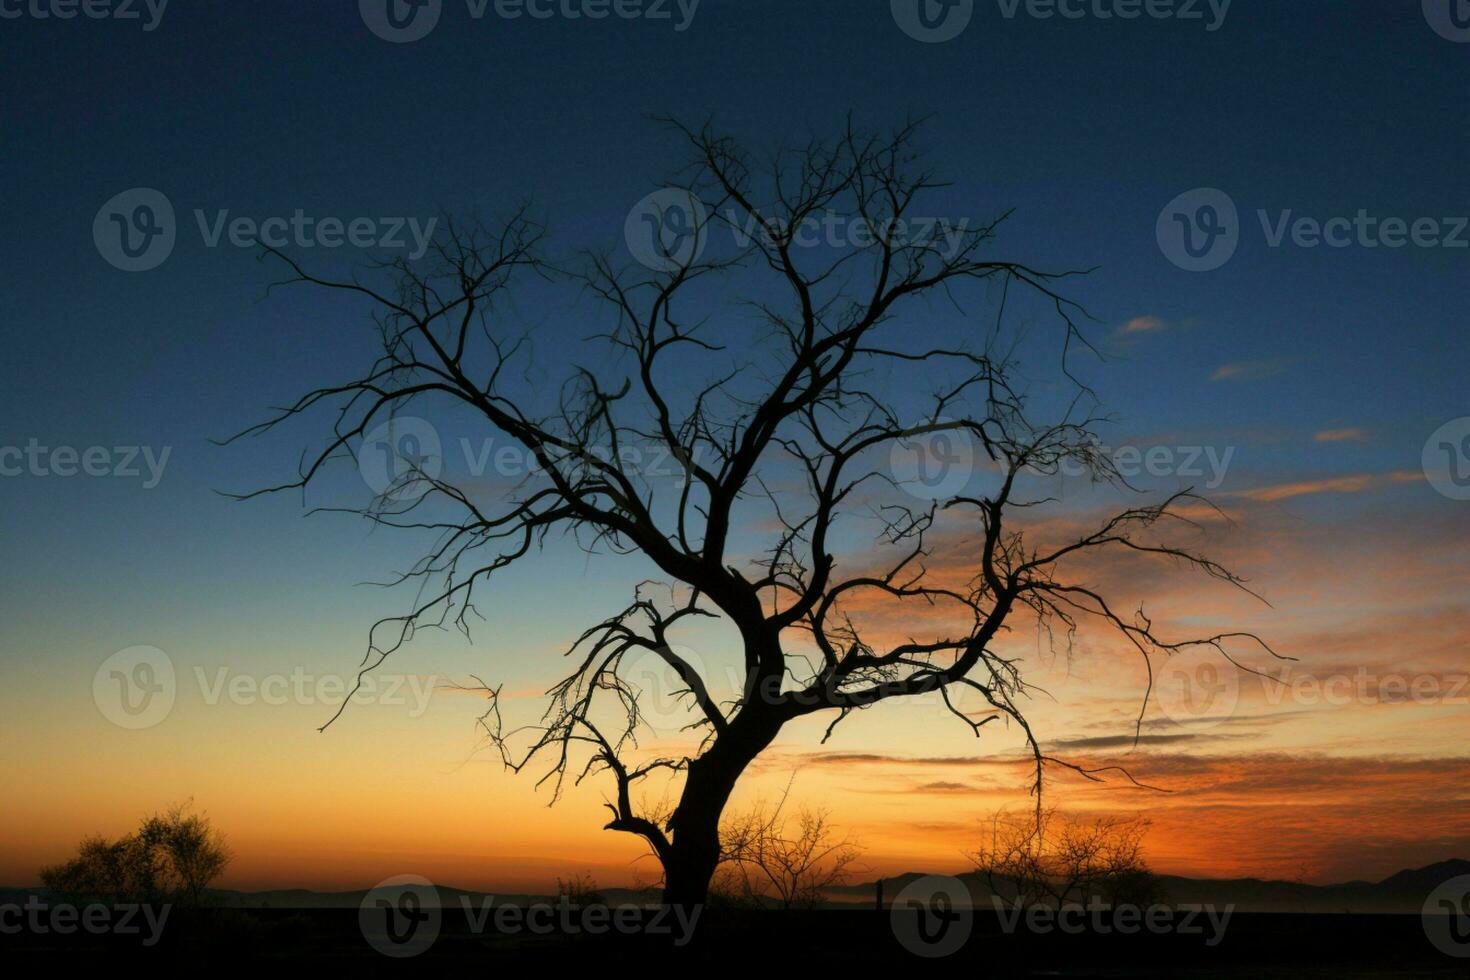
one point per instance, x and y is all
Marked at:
(884, 759)
(1355, 483)
(1342, 435)
(1130, 741)
(943, 786)
(1143, 324)
(1247, 370)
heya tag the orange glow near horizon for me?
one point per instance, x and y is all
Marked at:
(1356, 777)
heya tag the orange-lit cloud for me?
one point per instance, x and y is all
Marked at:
(1247, 370)
(1355, 483)
(1342, 435)
(1143, 324)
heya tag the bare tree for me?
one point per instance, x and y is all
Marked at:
(108, 871)
(772, 859)
(579, 890)
(173, 856)
(804, 403)
(193, 850)
(1056, 859)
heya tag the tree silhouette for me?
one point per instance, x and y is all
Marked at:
(1055, 859)
(579, 890)
(772, 859)
(790, 432)
(172, 857)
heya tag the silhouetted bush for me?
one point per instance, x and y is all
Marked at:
(172, 857)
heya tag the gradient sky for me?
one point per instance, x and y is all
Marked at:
(1323, 370)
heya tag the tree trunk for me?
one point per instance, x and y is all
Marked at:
(691, 865)
(694, 848)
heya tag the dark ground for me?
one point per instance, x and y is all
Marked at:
(269, 940)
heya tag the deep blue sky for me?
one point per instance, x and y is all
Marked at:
(1087, 128)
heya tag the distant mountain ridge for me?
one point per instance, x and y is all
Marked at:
(1403, 892)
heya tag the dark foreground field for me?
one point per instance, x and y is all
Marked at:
(1259, 945)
